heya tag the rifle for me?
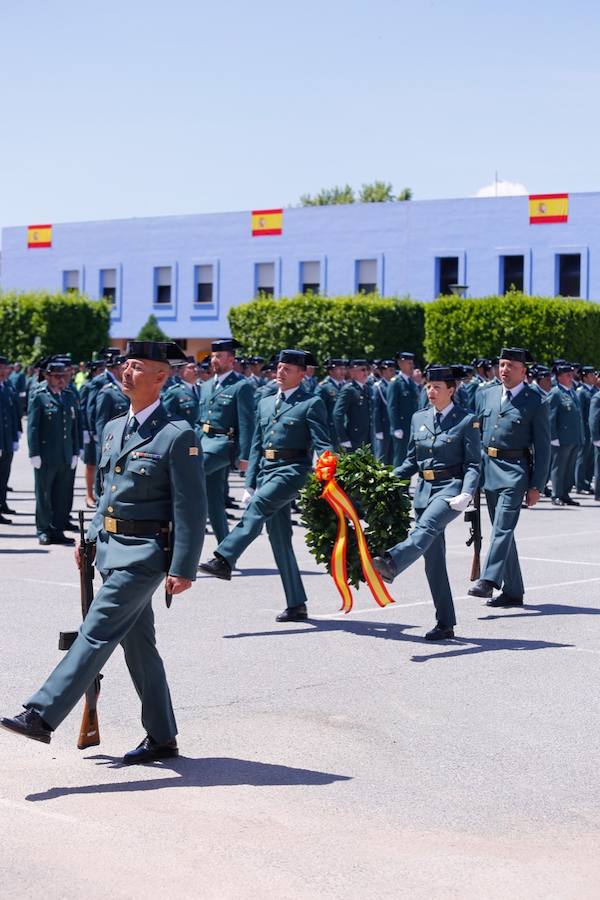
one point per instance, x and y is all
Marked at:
(89, 734)
(168, 551)
(473, 517)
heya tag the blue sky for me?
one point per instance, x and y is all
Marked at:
(132, 108)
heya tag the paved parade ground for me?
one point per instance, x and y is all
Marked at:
(341, 758)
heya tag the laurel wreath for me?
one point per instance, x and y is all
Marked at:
(380, 498)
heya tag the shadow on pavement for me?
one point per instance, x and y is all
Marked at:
(544, 609)
(208, 771)
(2, 552)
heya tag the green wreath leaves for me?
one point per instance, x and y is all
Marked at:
(380, 498)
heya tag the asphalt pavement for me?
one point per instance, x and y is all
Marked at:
(341, 758)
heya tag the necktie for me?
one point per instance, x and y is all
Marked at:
(278, 401)
(131, 428)
(507, 398)
(438, 419)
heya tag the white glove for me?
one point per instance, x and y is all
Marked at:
(399, 433)
(15, 446)
(247, 496)
(86, 437)
(81, 454)
(596, 443)
(460, 502)
(74, 462)
(36, 462)
(555, 443)
(379, 435)
(347, 444)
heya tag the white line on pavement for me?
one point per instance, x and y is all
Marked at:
(45, 581)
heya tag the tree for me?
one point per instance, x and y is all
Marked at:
(375, 192)
(405, 194)
(152, 331)
(329, 197)
(378, 192)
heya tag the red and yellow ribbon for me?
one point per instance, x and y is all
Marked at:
(343, 507)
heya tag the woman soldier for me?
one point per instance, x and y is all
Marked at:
(445, 450)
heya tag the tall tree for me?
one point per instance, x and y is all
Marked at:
(375, 192)
(152, 331)
(329, 197)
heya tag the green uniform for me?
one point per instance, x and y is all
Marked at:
(403, 399)
(10, 434)
(295, 424)
(182, 401)
(521, 427)
(353, 415)
(52, 435)
(584, 466)
(110, 403)
(381, 422)
(329, 390)
(594, 423)
(226, 416)
(153, 476)
(452, 447)
(566, 429)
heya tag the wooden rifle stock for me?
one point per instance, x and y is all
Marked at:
(89, 734)
(473, 517)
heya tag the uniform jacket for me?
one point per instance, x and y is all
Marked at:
(521, 424)
(328, 390)
(157, 475)
(403, 401)
(52, 427)
(594, 417)
(182, 401)
(230, 405)
(300, 424)
(9, 412)
(455, 442)
(110, 402)
(565, 416)
(381, 419)
(584, 395)
(353, 414)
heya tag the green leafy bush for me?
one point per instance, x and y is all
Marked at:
(458, 329)
(37, 324)
(152, 331)
(361, 325)
(380, 499)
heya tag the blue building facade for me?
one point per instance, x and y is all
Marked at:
(190, 270)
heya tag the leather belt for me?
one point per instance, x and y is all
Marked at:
(497, 453)
(210, 430)
(299, 455)
(135, 528)
(440, 474)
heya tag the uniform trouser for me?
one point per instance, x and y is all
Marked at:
(5, 464)
(502, 562)
(216, 470)
(399, 449)
(53, 494)
(384, 450)
(597, 473)
(584, 466)
(271, 505)
(120, 613)
(427, 539)
(562, 469)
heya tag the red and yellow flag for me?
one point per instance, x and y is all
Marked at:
(343, 507)
(548, 208)
(39, 236)
(267, 221)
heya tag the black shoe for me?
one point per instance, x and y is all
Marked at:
(71, 527)
(585, 491)
(385, 567)
(547, 492)
(293, 614)
(556, 501)
(44, 539)
(6, 509)
(439, 634)
(230, 503)
(231, 517)
(150, 751)
(30, 724)
(4, 521)
(505, 600)
(568, 501)
(218, 567)
(58, 537)
(482, 588)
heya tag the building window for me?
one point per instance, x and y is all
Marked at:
(265, 279)
(310, 277)
(512, 273)
(162, 284)
(204, 282)
(108, 285)
(71, 280)
(569, 274)
(366, 276)
(447, 273)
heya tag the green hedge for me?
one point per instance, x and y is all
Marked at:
(37, 324)
(363, 325)
(458, 329)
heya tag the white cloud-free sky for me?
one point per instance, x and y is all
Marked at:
(129, 108)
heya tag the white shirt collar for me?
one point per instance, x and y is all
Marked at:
(444, 412)
(406, 377)
(513, 391)
(287, 394)
(222, 376)
(143, 414)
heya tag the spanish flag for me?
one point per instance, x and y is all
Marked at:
(548, 208)
(39, 236)
(267, 221)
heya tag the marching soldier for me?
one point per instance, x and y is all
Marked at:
(226, 417)
(403, 398)
(584, 467)
(329, 388)
(152, 485)
(381, 423)
(288, 426)
(445, 449)
(566, 435)
(515, 433)
(53, 438)
(353, 410)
